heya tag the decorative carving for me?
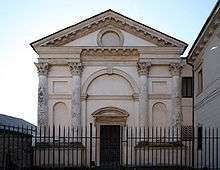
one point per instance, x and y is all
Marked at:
(135, 96)
(116, 22)
(110, 115)
(109, 52)
(111, 30)
(175, 69)
(41, 96)
(143, 68)
(176, 120)
(42, 107)
(42, 68)
(75, 68)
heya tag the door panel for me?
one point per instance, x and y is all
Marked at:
(109, 145)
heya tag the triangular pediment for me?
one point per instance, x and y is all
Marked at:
(80, 34)
(94, 39)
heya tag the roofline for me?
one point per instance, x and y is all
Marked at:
(109, 10)
(31, 44)
(18, 119)
(206, 25)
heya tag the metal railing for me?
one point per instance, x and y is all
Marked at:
(109, 146)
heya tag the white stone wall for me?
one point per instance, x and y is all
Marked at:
(160, 88)
(114, 81)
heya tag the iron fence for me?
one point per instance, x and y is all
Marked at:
(107, 146)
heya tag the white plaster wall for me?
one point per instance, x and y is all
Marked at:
(168, 107)
(129, 106)
(211, 60)
(53, 119)
(110, 85)
(115, 85)
(59, 74)
(187, 111)
(207, 103)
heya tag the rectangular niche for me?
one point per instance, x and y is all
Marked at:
(60, 86)
(159, 87)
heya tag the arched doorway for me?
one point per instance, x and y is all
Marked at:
(108, 122)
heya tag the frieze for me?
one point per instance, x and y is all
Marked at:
(109, 52)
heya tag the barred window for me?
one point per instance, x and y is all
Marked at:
(200, 81)
(187, 87)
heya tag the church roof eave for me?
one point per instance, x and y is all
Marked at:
(212, 22)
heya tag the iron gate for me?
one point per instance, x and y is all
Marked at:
(108, 146)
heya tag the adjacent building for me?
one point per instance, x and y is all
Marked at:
(204, 56)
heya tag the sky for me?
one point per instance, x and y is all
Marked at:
(24, 21)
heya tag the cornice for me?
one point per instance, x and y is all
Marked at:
(79, 49)
(207, 31)
(58, 50)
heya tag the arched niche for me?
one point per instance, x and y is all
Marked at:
(60, 114)
(159, 115)
(106, 85)
(99, 73)
(110, 115)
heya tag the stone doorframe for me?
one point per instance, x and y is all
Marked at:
(110, 116)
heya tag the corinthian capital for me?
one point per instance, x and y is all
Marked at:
(75, 68)
(42, 68)
(143, 68)
(175, 69)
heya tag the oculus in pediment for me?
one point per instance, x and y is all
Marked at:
(110, 37)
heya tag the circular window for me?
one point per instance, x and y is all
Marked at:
(110, 37)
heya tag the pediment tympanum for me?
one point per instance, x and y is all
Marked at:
(108, 19)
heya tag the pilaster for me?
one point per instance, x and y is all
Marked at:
(143, 69)
(176, 116)
(42, 69)
(76, 69)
